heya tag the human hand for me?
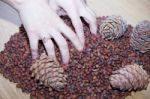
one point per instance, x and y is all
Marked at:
(76, 9)
(41, 23)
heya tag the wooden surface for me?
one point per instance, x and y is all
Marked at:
(131, 10)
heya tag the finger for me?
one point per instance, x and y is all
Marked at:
(90, 11)
(71, 36)
(90, 18)
(62, 44)
(49, 46)
(33, 46)
(76, 21)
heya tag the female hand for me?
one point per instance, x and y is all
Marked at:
(42, 23)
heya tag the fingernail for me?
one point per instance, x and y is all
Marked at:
(64, 66)
(95, 35)
(81, 48)
(65, 61)
(35, 56)
(95, 32)
(82, 44)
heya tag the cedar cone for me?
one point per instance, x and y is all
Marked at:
(140, 37)
(49, 72)
(131, 77)
(112, 27)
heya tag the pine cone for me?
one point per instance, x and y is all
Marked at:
(49, 72)
(131, 77)
(112, 27)
(140, 38)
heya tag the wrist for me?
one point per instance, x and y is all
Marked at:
(14, 3)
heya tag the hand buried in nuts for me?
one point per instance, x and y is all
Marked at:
(41, 22)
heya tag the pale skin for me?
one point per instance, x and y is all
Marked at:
(42, 22)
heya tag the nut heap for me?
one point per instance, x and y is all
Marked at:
(49, 73)
(140, 38)
(112, 27)
(131, 77)
(88, 70)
